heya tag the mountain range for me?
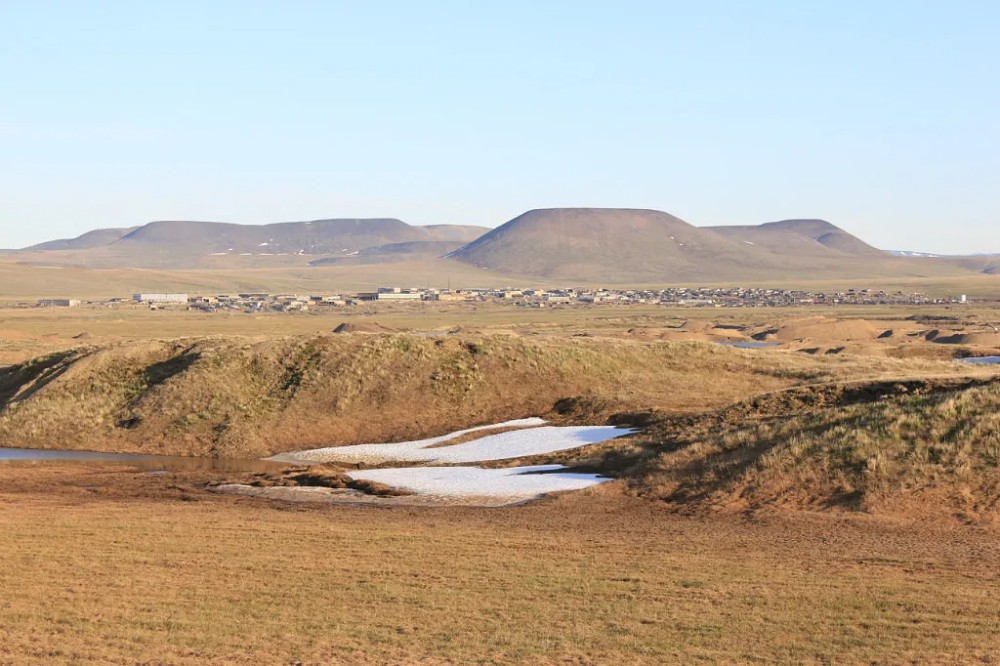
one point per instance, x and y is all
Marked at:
(614, 245)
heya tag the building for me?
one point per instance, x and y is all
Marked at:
(399, 296)
(160, 298)
(58, 303)
(391, 294)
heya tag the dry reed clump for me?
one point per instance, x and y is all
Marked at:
(249, 397)
(875, 455)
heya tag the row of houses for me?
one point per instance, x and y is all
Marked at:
(525, 297)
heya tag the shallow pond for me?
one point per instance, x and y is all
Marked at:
(143, 461)
(750, 345)
(982, 360)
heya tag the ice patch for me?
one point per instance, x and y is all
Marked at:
(386, 452)
(501, 446)
(517, 483)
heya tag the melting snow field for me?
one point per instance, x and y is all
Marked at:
(452, 485)
(501, 446)
(512, 483)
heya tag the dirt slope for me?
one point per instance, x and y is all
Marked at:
(243, 397)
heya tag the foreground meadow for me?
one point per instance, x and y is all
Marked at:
(101, 564)
(831, 500)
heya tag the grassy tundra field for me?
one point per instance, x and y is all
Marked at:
(833, 499)
(105, 566)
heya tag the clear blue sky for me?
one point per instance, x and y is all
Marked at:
(883, 117)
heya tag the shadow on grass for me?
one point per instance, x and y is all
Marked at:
(20, 382)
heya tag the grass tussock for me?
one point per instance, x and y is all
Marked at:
(249, 397)
(913, 450)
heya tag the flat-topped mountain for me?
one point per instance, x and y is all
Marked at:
(185, 243)
(316, 237)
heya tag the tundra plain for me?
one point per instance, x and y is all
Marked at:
(830, 499)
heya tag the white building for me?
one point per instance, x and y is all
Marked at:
(160, 298)
(58, 303)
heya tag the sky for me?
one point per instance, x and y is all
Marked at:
(882, 117)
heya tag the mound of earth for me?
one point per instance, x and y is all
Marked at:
(694, 325)
(363, 327)
(726, 332)
(983, 339)
(822, 328)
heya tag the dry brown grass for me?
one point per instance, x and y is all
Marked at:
(100, 565)
(29, 332)
(927, 449)
(108, 567)
(248, 397)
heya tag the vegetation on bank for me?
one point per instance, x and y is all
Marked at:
(914, 447)
(249, 397)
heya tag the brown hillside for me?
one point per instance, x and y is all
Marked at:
(95, 238)
(184, 244)
(606, 243)
(808, 237)
(612, 245)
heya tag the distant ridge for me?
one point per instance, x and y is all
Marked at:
(315, 237)
(582, 245)
(184, 243)
(95, 238)
(813, 237)
(620, 243)
(910, 253)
